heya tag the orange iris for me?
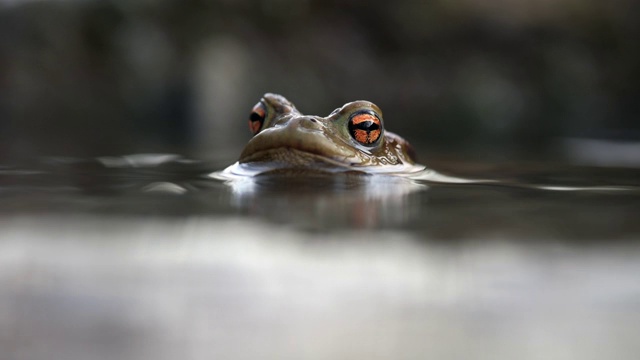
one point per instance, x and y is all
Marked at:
(365, 128)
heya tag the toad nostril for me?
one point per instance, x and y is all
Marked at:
(311, 123)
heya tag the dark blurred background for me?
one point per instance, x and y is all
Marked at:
(483, 80)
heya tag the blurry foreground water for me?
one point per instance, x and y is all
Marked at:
(147, 257)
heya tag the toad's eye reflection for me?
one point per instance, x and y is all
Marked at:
(352, 138)
(365, 128)
(256, 119)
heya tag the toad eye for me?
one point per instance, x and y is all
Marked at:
(256, 119)
(365, 127)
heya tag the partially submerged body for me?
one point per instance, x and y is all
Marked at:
(351, 139)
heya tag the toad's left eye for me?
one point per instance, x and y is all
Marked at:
(365, 127)
(256, 119)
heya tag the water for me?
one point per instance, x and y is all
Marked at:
(150, 257)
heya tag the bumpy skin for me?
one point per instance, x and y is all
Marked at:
(288, 138)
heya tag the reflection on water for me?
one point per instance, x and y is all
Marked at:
(326, 200)
(148, 257)
(205, 287)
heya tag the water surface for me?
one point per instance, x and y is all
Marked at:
(143, 257)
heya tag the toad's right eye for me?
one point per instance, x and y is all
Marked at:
(256, 119)
(365, 127)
